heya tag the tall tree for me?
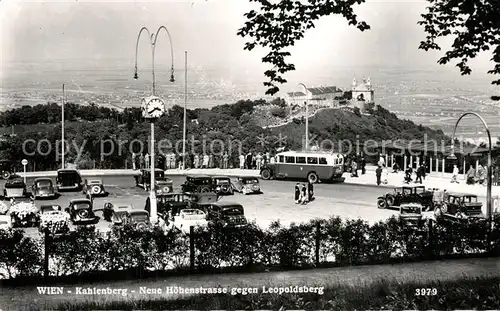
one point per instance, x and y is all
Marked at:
(279, 24)
(474, 25)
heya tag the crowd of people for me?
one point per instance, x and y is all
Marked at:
(304, 193)
(251, 160)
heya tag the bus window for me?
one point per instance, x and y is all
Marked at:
(281, 159)
(312, 160)
(301, 160)
(322, 161)
(289, 159)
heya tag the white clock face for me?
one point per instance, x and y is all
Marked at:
(155, 107)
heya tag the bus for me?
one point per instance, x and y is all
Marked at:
(313, 166)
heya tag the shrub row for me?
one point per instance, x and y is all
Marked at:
(317, 242)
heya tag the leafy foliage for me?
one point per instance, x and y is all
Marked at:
(280, 24)
(343, 242)
(475, 26)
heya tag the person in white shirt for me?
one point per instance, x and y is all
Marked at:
(258, 161)
(454, 175)
(206, 158)
(242, 161)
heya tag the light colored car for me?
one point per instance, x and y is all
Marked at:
(43, 188)
(14, 189)
(247, 185)
(5, 222)
(190, 217)
(410, 214)
(93, 187)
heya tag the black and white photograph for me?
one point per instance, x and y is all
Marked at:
(249, 155)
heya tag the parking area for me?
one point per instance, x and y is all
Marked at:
(276, 203)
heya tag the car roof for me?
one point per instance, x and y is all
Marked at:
(227, 204)
(227, 177)
(198, 176)
(459, 194)
(67, 170)
(80, 201)
(248, 177)
(138, 211)
(43, 178)
(94, 180)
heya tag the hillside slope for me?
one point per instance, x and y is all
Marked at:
(336, 125)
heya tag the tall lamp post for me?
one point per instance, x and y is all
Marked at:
(185, 109)
(307, 116)
(452, 156)
(62, 127)
(153, 108)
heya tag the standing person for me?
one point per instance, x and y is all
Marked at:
(381, 160)
(304, 195)
(378, 173)
(408, 173)
(385, 175)
(297, 193)
(471, 174)
(134, 156)
(211, 161)
(146, 160)
(268, 157)
(161, 161)
(258, 161)
(191, 160)
(196, 161)
(454, 175)
(418, 180)
(310, 190)
(249, 161)
(496, 175)
(242, 161)
(206, 160)
(481, 174)
(272, 159)
(363, 166)
(225, 160)
(141, 161)
(354, 169)
(424, 170)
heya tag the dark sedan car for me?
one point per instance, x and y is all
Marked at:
(43, 188)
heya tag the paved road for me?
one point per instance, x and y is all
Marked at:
(25, 298)
(344, 200)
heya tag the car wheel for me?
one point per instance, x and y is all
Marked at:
(6, 175)
(381, 203)
(390, 200)
(265, 174)
(312, 177)
(83, 213)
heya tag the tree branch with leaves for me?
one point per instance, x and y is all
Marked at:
(279, 24)
(475, 25)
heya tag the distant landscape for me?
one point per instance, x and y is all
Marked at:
(426, 97)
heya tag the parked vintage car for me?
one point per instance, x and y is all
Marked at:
(93, 187)
(68, 180)
(139, 219)
(247, 185)
(410, 215)
(81, 211)
(407, 194)
(459, 206)
(43, 188)
(222, 185)
(24, 214)
(143, 179)
(229, 213)
(5, 222)
(15, 188)
(190, 217)
(164, 186)
(199, 183)
(170, 204)
(6, 169)
(52, 218)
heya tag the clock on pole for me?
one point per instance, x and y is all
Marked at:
(152, 107)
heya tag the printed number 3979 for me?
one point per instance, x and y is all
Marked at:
(425, 292)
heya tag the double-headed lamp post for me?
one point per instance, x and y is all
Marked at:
(307, 116)
(452, 156)
(153, 108)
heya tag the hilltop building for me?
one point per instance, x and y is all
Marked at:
(324, 96)
(362, 95)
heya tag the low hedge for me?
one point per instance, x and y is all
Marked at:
(317, 242)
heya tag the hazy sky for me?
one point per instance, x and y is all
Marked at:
(76, 30)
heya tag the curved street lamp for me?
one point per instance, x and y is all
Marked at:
(153, 37)
(488, 169)
(307, 115)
